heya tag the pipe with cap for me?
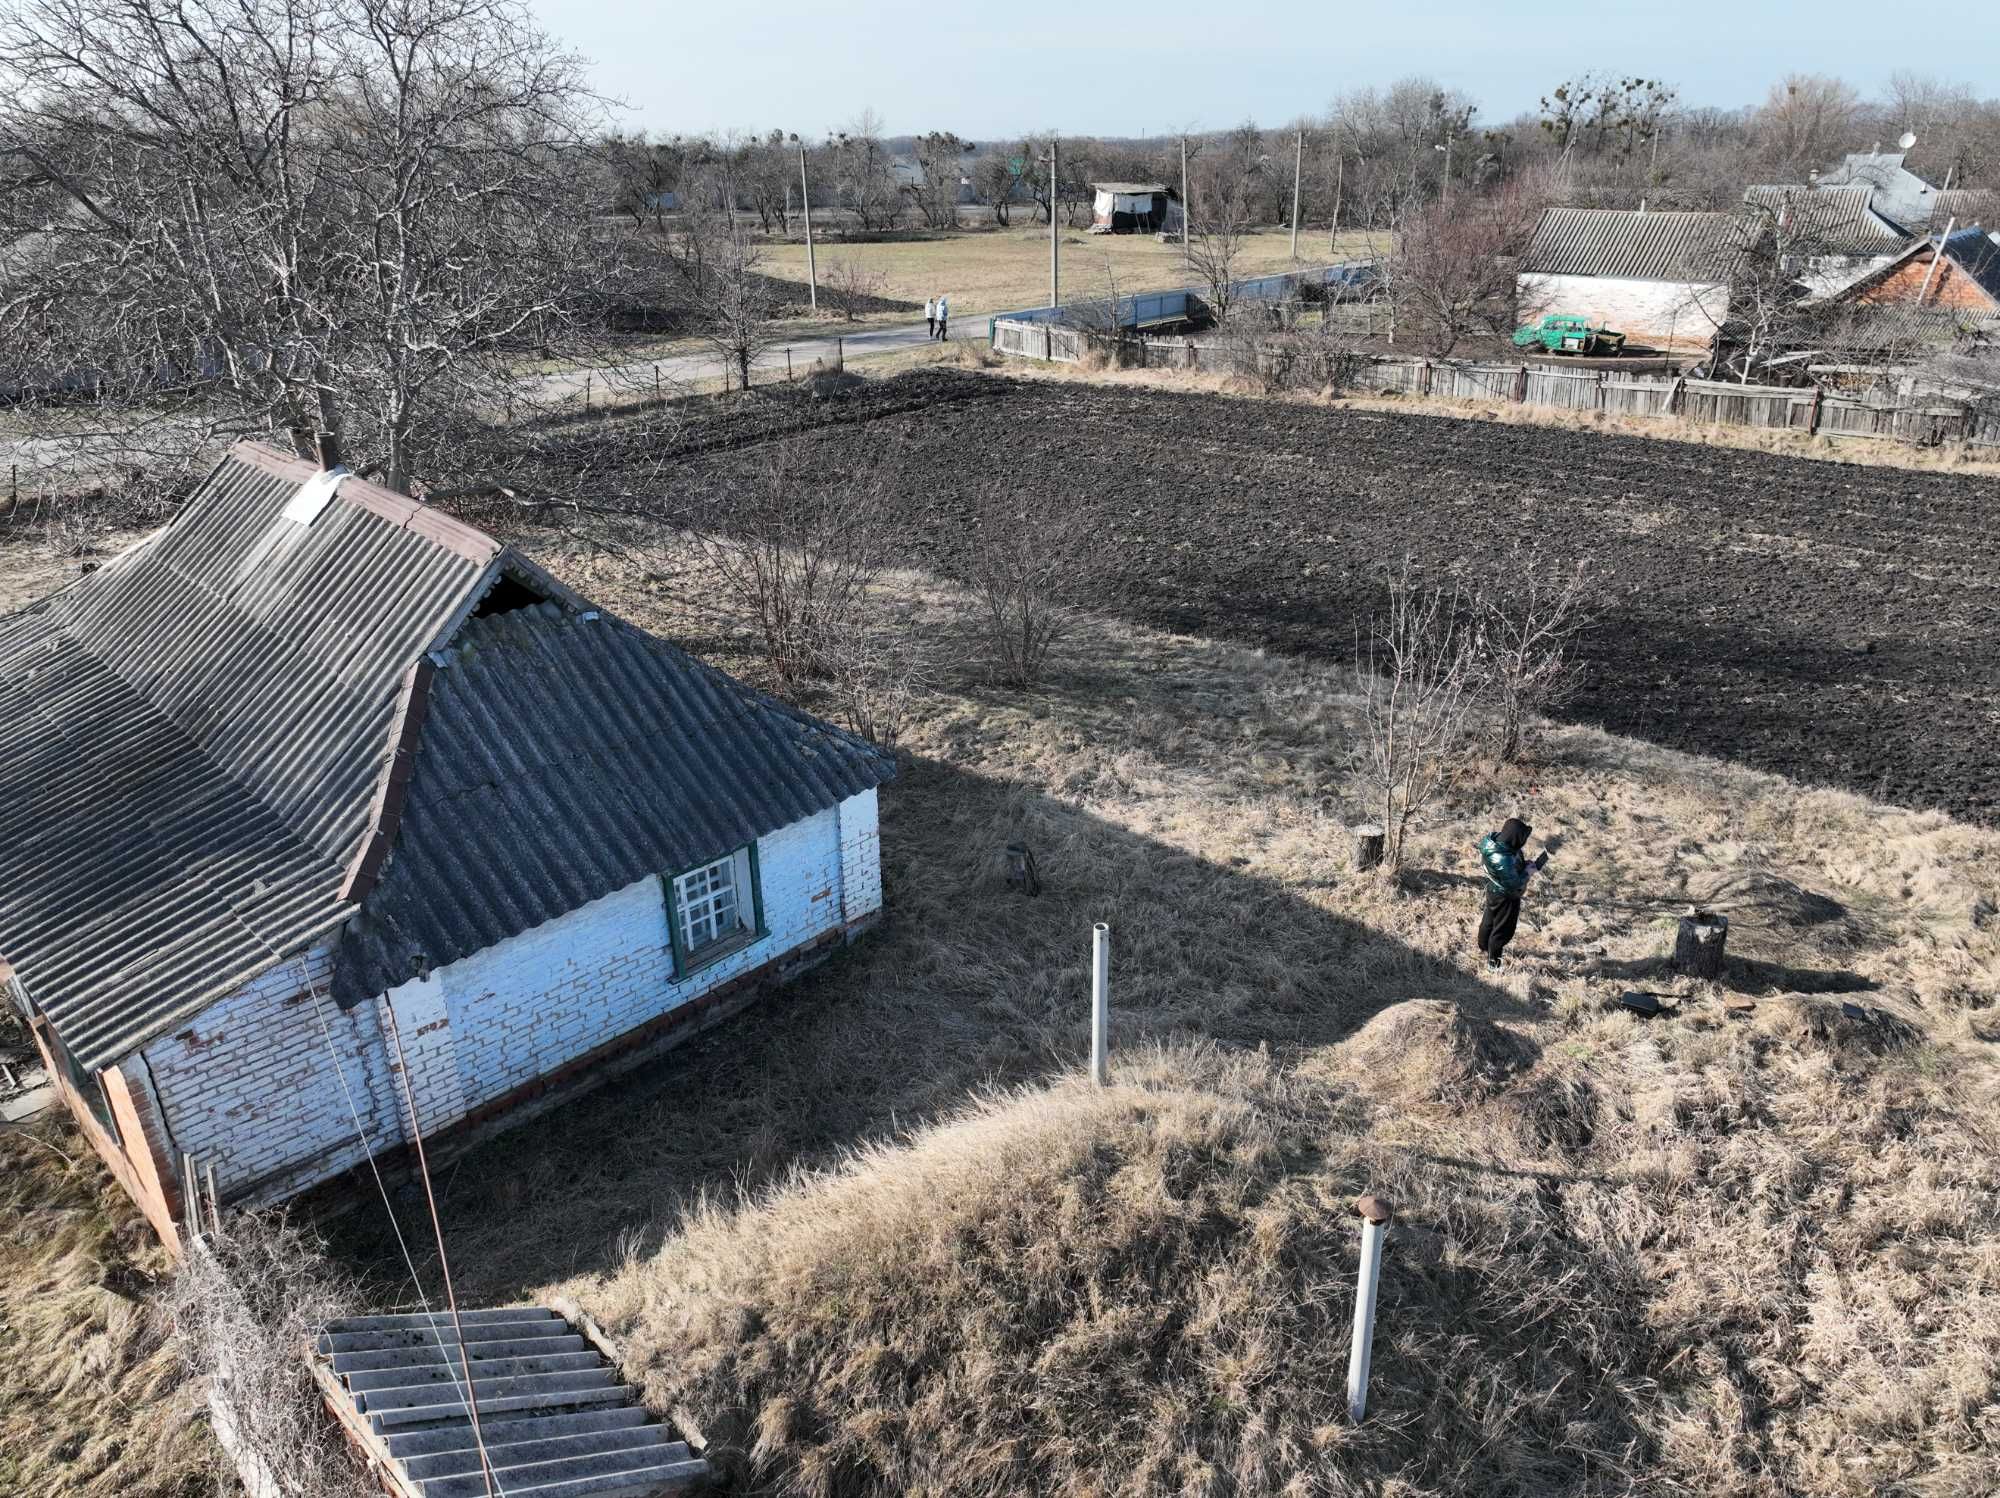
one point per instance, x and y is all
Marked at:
(1375, 1215)
(1100, 1004)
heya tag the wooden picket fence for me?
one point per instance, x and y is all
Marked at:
(1921, 421)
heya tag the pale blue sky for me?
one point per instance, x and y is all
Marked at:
(1120, 67)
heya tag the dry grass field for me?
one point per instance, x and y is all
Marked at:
(1005, 270)
(879, 1236)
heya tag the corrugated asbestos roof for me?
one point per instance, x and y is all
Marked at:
(1974, 253)
(1828, 220)
(190, 740)
(562, 757)
(1621, 242)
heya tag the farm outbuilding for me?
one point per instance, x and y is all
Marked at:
(1659, 278)
(1129, 207)
(1960, 272)
(318, 791)
(1827, 235)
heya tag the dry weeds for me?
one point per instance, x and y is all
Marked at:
(93, 1402)
(1707, 1253)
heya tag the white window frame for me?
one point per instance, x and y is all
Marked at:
(714, 908)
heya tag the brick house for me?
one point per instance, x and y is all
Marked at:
(1959, 273)
(1659, 278)
(317, 787)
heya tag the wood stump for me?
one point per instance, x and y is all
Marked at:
(1368, 841)
(1698, 944)
(1022, 874)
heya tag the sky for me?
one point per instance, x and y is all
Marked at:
(1120, 67)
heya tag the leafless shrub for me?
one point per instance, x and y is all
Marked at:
(878, 664)
(245, 1304)
(1218, 225)
(1529, 624)
(1419, 681)
(850, 286)
(1451, 275)
(1020, 566)
(793, 551)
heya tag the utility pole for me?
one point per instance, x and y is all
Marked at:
(1298, 167)
(1187, 207)
(1339, 191)
(805, 195)
(1055, 268)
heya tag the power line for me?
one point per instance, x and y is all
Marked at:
(402, 1245)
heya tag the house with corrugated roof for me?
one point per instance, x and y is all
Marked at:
(1659, 278)
(1826, 236)
(1954, 280)
(321, 810)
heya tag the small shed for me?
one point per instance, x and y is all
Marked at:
(1129, 207)
(1659, 278)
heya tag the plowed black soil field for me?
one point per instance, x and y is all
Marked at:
(1831, 622)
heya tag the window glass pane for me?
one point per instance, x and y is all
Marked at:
(708, 904)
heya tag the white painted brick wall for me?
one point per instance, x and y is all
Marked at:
(250, 1087)
(1677, 312)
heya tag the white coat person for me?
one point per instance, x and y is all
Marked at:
(930, 317)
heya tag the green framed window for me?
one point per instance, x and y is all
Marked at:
(714, 908)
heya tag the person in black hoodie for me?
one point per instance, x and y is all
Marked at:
(1507, 872)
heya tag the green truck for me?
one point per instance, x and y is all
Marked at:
(1561, 334)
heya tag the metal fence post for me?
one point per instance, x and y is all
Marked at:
(1375, 1216)
(1100, 1004)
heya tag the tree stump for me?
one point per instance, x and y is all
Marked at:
(1021, 871)
(1368, 841)
(1698, 944)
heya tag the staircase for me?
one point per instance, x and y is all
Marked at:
(556, 1419)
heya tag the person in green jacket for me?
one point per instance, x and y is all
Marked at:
(1507, 872)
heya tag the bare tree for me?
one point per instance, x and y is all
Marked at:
(342, 215)
(1419, 680)
(861, 169)
(851, 287)
(1021, 563)
(1806, 119)
(1529, 626)
(995, 180)
(1218, 224)
(733, 303)
(935, 192)
(1452, 272)
(796, 551)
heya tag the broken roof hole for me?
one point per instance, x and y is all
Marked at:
(507, 594)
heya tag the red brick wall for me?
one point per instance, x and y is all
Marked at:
(1949, 288)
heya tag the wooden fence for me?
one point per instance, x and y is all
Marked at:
(1037, 340)
(1921, 421)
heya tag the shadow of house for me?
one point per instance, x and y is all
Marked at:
(967, 985)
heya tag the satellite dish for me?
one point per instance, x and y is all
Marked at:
(1907, 139)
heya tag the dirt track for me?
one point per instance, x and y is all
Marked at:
(1830, 622)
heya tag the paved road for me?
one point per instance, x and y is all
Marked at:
(685, 368)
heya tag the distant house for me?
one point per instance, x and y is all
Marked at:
(1128, 207)
(317, 791)
(1896, 193)
(1660, 278)
(1959, 273)
(1827, 235)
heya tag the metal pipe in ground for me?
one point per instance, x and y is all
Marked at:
(1375, 1215)
(1100, 1004)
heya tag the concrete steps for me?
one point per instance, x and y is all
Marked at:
(556, 1419)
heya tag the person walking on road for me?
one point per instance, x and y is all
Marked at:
(930, 317)
(1507, 873)
(943, 311)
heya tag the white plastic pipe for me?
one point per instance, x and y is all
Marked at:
(1375, 1215)
(1100, 1004)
